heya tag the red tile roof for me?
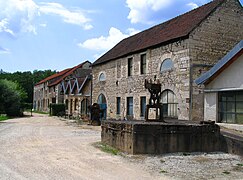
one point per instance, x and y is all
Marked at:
(59, 74)
(167, 32)
(58, 77)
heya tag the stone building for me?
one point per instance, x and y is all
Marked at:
(76, 88)
(176, 52)
(51, 89)
(223, 100)
(47, 91)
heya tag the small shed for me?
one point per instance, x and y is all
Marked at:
(223, 94)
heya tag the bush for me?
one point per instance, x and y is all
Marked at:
(11, 98)
(57, 109)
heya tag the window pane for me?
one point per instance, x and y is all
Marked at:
(142, 106)
(230, 118)
(129, 106)
(143, 64)
(102, 77)
(230, 106)
(118, 105)
(239, 107)
(239, 96)
(166, 65)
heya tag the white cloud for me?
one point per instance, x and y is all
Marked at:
(192, 5)
(75, 16)
(18, 16)
(43, 25)
(140, 9)
(105, 43)
(4, 50)
(4, 27)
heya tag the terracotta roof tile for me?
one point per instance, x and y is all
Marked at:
(172, 30)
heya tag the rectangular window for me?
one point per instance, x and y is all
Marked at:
(143, 64)
(118, 105)
(142, 106)
(130, 66)
(129, 105)
(231, 107)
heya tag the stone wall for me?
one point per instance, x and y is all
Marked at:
(119, 84)
(209, 42)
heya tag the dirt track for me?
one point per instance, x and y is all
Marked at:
(43, 147)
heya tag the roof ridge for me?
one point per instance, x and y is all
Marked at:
(161, 33)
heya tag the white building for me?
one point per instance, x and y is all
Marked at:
(223, 100)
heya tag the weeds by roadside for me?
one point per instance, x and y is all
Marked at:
(3, 118)
(106, 148)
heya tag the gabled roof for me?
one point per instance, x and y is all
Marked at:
(59, 74)
(58, 77)
(68, 73)
(167, 32)
(221, 65)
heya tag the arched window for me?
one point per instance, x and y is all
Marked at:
(102, 77)
(101, 99)
(84, 106)
(169, 101)
(166, 65)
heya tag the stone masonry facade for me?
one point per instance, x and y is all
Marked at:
(191, 57)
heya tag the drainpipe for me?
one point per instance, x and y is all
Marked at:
(191, 84)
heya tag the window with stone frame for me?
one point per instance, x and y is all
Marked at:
(85, 106)
(129, 106)
(142, 106)
(166, 65)
(102, 77)
(169, 101)
(143, 64)
(130, 66)
(118, 105)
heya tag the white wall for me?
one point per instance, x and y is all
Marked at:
(210, 106)
(231, 77)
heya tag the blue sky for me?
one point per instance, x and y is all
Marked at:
(57, 34)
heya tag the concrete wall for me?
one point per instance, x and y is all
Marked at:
(210, 106)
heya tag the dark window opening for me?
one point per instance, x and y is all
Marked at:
(143, 64)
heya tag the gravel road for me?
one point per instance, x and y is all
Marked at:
(42, 147)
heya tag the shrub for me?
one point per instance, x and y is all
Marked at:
(57, 109)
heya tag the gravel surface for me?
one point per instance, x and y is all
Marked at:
(43, 147)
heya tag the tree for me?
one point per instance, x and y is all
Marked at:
(12, 97)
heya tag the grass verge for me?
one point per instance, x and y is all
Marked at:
(106, 148)
(3, 118)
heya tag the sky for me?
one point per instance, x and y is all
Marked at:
(59, 34)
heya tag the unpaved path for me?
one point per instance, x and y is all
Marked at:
(42, 147)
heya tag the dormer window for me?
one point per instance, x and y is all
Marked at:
(102, 77)
(166, 65)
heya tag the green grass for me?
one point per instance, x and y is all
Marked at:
(106, 148)
(3, 118)
(241, 165)
(39, 112)
(163, 171)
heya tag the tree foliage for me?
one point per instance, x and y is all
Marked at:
(12, 97)
(27, 80)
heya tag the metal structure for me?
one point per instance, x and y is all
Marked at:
(154, 87)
